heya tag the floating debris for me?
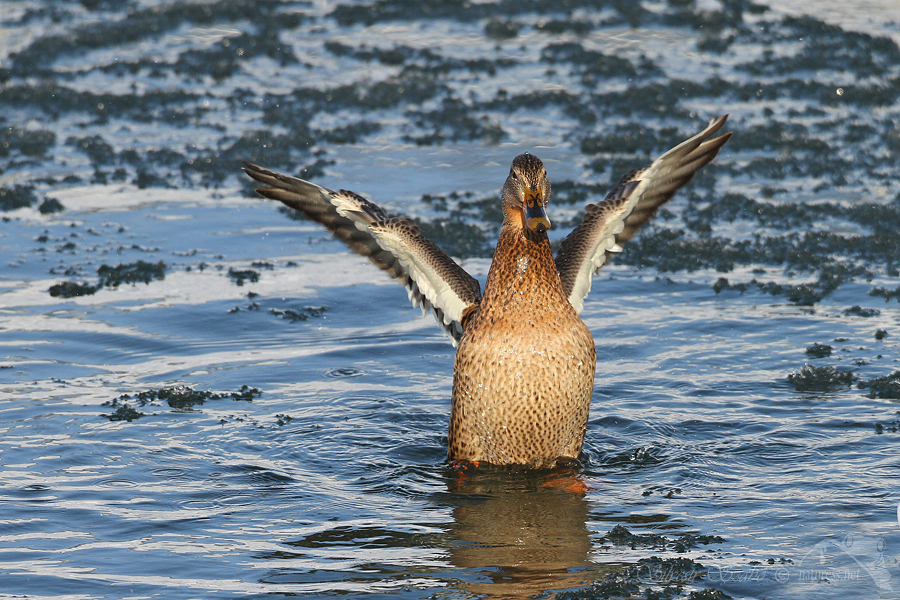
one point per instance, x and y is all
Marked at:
(179, 397)
(239, 276)
(858, 311)
(72, 289)
(290, 314)
(50, 206)
(111, 277)
(804, 294)
(621, 536)
(301, 315)
(654, 577)
(32, 143)
(16, 196)
(885, 293)
(818, 350)
(820, 379)
(887, 387)
(125, 413)
(136, 272)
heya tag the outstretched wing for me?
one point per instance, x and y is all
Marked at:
(630, 204)
(432, 279)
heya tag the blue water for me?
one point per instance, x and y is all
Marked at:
(332, 482)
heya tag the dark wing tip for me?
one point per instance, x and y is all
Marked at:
(269, 193)
(717, 123)
(711, 148)
(251, 168)
(257, 172)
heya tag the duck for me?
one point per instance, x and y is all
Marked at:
(525, 362)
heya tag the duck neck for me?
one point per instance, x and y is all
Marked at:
(522, 272)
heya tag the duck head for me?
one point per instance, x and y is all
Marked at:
(526, 193)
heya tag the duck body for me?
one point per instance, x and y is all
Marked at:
(524, 369)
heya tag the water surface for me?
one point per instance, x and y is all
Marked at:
(202, 397)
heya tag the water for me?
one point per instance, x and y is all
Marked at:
(324, 476)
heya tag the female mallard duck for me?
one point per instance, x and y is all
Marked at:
(524, 370)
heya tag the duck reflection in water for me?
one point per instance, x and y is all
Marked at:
(518, 535)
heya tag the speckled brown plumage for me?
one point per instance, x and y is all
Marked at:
(524, 370)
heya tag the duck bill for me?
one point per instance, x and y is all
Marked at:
(535, 213)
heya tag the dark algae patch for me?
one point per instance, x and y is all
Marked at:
(803, 294)
(621, 536)
(820, 379)
(651, 578)
(292, 315)
(112, 277)
(883, 387)
(71, 289)
(17, 196)
(858, 311)
(829, 379)
(654, 576)
(180, 398)
(241, 276)
(881, 292)
(125, 412)
(34, 143)
(298, 316)
(50, 206)
(818, 350)
(140, 24)
(136, 272)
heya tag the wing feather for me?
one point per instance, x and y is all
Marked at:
(432, 279)
(631, 203)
